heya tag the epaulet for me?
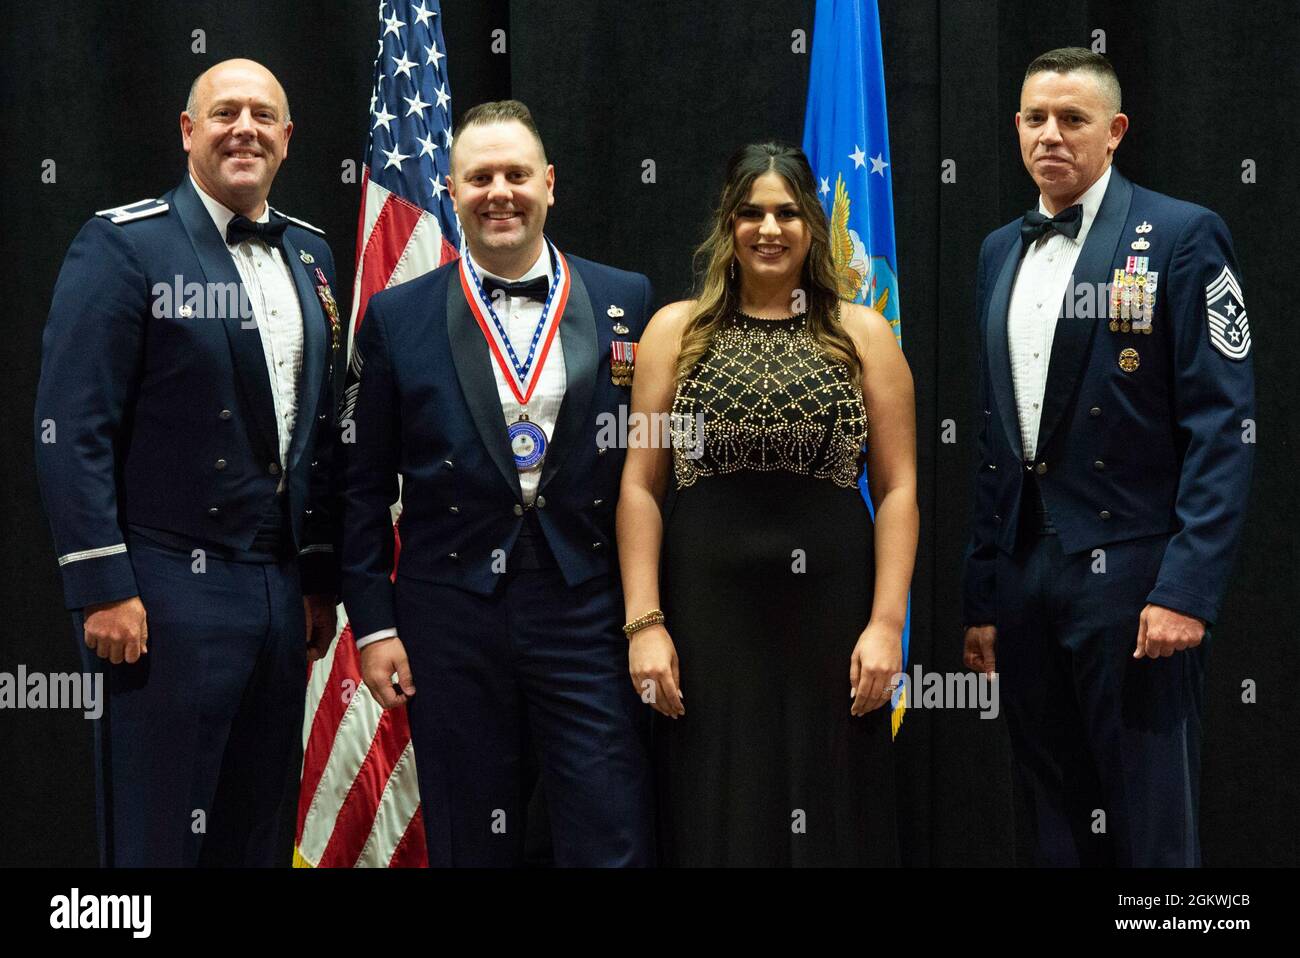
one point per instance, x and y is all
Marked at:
(303, 223)
(134, 211)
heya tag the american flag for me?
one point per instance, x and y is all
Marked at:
(359, 802)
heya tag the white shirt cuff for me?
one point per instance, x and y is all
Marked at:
(375, 637)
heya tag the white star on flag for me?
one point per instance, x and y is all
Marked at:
(422, 14)
(383, 117)
(443, 96)
(878, 164)
(402, 66)
(858, 157)
(416, 104)
(391, 25)
(426, 143)
(394, 158)
(825, 187)
(433, 55)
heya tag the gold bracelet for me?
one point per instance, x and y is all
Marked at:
(653, 617)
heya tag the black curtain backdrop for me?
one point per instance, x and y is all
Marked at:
(98, 87)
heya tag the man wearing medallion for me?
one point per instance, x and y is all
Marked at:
(482, 384)
(184, 428)
(1116, 448)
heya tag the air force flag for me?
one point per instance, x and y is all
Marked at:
(846, 139)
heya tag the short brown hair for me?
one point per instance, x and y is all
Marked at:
(500, 111)
(1071, 59)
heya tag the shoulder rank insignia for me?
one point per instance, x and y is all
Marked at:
(134, 211)
(1225, 310)
(303, 223)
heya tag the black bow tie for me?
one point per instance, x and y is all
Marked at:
(535, 288)
(1035, 224)
(241, 228)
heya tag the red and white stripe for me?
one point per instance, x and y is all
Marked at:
(359, 800)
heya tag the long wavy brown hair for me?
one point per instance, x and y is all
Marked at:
(717, 295)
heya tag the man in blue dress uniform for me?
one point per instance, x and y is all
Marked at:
(184, 426)
(485, 384)
(1115, 461)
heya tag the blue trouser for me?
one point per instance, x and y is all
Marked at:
(536, 664)
(1106, 747)
(199, 748)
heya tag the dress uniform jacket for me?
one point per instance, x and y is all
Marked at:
(1142, 433)
(427, 407)
(154, 407)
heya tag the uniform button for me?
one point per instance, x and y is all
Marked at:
(519, 510)
(321, 417)
(220, 464)
(446, 464)
(993, 467)
(1105, 514)
(224, 414)
(306, 512)
(273, 468)
(1041, 468)
(315, 463)
(596, 503)
(1099, 465)
(454, 510)
(275, 312)
(1035, 405)
(453, 555)
(541, 502)
(987, 413)
(597, 545)
(996, 517)
(601, 450)
(214, 511)
(1094, 412)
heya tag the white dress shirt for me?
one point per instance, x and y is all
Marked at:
(1040, 287)
(520, 316)
(274, 299)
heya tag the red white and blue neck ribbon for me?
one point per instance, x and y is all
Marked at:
(521, 375)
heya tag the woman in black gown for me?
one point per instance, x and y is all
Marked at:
(778, 594)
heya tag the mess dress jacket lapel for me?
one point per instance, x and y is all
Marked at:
(1157, 450)
(422, 401)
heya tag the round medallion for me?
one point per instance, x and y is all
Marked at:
(1129, 360)
(528, 443)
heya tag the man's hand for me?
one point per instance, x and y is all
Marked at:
(980, 643)
(1162, 632)
(322, 623)
(379, 660)
(117, 631)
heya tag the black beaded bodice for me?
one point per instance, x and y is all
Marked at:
(764, 397)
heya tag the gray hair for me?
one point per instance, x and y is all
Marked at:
(1077, 59)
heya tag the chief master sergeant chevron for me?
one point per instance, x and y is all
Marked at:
(1116, 452)
(184, 421)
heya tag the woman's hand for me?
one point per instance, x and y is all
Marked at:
(652, 662)
(876, 659)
